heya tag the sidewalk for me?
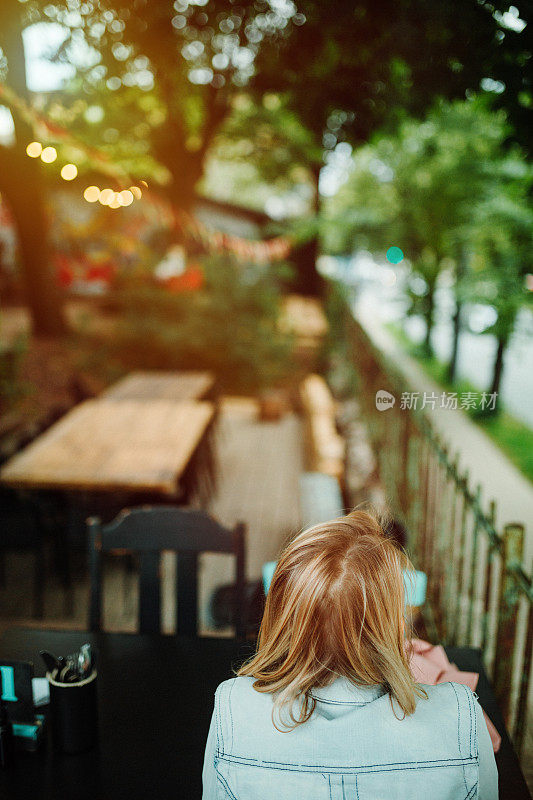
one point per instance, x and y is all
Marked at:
(488, 465)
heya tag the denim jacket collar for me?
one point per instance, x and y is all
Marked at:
(343, 691)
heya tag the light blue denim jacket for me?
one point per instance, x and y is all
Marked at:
(352, 748)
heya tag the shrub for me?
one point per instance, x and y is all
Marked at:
(229, 325)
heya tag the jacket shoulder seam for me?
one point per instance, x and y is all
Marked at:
(225, 737)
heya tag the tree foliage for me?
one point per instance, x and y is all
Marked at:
(230, 325)
(422, 191)
(366, 65)
(501, 245)
(173, 66)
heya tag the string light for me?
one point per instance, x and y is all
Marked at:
(48, 155)
(91, 194)
(34, 149)
(69, 172)
(106, 197)
(125, 198)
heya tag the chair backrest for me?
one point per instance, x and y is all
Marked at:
(147, 531)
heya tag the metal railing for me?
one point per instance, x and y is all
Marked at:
(478, 592)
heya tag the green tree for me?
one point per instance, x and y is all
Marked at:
(271, 146)
(418, 190)
(154, 82)
(360, 215)
(365, 66)
(175, 66)
(502, 240)
(444, 169)
(22, 184)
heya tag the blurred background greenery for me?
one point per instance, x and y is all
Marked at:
(255, 137)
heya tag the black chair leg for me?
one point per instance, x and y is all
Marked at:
(39, 584)
(39, 567)
(62, 557)
(62, 563)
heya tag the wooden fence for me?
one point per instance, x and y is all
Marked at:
(478, 592)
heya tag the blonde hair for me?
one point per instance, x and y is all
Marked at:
(335, 607)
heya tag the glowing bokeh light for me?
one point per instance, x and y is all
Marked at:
(394, 255)
(69, 172)
(91, 194)
(136, 192)
(125, 198)
(48, 155)
(144, 183)
(34, 149)
(106, 197)
(388, 277)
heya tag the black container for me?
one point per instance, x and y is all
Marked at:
(74, 714)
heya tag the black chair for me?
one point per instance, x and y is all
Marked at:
(222, 602)
(151, 529)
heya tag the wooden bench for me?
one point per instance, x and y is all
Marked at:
(325, 448)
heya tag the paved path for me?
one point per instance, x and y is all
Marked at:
(499, 478)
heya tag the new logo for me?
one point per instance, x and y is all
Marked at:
(384, 400)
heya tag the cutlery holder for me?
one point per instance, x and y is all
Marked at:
(74, 714)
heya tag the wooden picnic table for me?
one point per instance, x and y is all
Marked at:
(109, 445)
(159, 385)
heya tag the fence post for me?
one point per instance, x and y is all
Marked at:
(513, 543)
(462, 563)
(521, 714)
(452, 581)
(489, 609)
(475, 565)
(404, 477)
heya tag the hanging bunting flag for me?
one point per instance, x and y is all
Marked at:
(261, 252)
